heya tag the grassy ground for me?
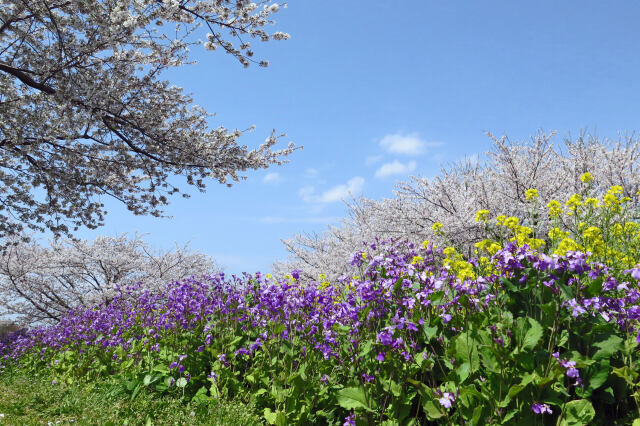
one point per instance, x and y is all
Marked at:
(35, 401)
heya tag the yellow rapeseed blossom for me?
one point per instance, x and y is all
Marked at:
(500, 219)
(611, 198)
(555, 208)
(567, 244)
(425, 244)
(511, 222)
(574, 202)
(437, 227)
(481, 215)
(449, 251)
(417, 259)
(531, 194)
(591, 202)
(591, 233)
(586, 177)
(364, 256)
(557, 233)
(617, 229)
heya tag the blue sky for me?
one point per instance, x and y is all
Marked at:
(378, 90)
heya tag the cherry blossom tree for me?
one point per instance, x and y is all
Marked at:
(84, 113)
(498, 184)
(39, 284)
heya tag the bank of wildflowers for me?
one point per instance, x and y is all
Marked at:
(531, 330)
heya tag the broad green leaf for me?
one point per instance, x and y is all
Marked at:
(608, 347)
(432, 412)
(350, 398)
(599, 378)
(463, 371)
(429, 332)
(281, 419)
(466, 350)
(578, 412)
(636, 422)
(270, 416)
(533, 335)
(181, 382)
(627, 374)
(147, 379)
(489, 359)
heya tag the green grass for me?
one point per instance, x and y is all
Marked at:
(28, 400)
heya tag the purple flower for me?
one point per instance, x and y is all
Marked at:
(242, 351)
(447, 400)
(381, 356)
(367, 378)
(635, 272)
(350, 420)
(540, 408)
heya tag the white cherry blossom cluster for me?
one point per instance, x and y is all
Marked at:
(38, 284)
(84, 113)
(497, 184)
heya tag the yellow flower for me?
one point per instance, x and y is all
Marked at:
(448, 251)
(481, 215)
(591, 233)
(557, 233)
(416, 259)
(531, 194)
(611, 197)
(364, 256)
(573, 203)
(555, 208)
(425, 244)
(436, 227)
(591, 202)
(586, 177)
(511, 222)
(567, 244)
(500, 219)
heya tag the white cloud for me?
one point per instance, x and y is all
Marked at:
(372, 159)
(311, 172)
(272, 178)
(337, 193)
(410, 144)
(395, 168)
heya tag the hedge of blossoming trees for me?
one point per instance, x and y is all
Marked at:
(526, 331)
(40, 284)
(496, 184)
(84, 112)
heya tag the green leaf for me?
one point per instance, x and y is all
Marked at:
(466, 350)
(629, 375)
(147, 380)
(533, 335)
(181, 382)
(281, 419)
(431, 410)
(463, 371)
(429, 332)
(578, 412)
(636, 422)
(599, 378)
(608, 347)
(350, 398)
(270, 416)
(508, 285)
